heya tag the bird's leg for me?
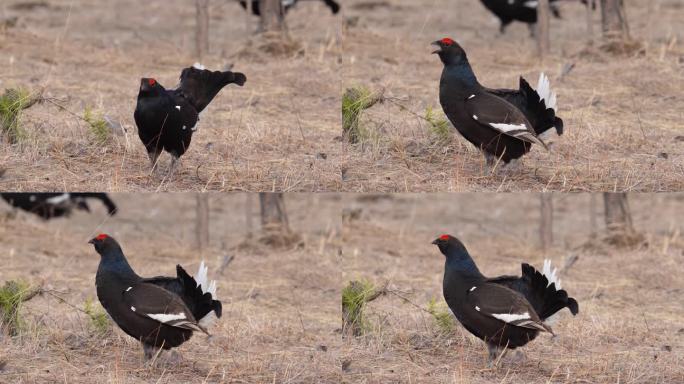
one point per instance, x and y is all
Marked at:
(154, 156)
(513, 165)
(496, 353)
(491, 162)
(150, 351)
(174, 165)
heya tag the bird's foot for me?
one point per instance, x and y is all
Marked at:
(496, 353)
(518, 356)
(513, 165)
(174, 357)
(151, 354)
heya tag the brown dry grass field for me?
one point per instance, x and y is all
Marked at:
(280, 320)
(276, 133)
(623, 114)
(629, 328)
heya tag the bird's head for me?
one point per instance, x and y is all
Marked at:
(104, 243)
(449, 51)
(449, 245)
(148, 85)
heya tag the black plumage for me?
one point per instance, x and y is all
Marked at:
(51, 205)
(505, 312)
(287, 4)
(166, 119)
(161, 312)
(518, 10)
(503, 123)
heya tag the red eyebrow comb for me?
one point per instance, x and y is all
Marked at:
(447, 41)
(444, 237)
(151, 81)
(101, 236)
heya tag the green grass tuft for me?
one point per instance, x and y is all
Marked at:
(12, 102)
(354, 298)
(354, 101)
(12, 294)
(97, 125)
(99, 321)
(442, 315)
(438, 126)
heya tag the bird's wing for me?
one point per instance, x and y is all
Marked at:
(200, 86)
(498, 114)
(504, 304)
(157, 303)
(200, 299)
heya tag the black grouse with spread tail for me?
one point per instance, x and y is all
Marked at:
(506, 311)
(503, 123)
(287, 4)
(51, 205)
(161, 312)
(166, 119)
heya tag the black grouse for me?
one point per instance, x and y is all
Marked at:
(50, 205)
(518, 10)
(161, 312)
(166, 119)
(503, 123)
(505, 311)
(287, 4)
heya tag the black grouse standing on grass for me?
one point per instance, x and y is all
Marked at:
(503, 123)
(161, 312)
(287, 4)
(50, 205)
(518, 10)
(166, 119)
(505, 311)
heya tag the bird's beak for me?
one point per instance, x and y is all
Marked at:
(91, 241)
(438, 45)
(435, 241)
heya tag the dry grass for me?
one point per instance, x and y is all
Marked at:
(280, 307)
(276, 133)
(622, 113)
(629, 329)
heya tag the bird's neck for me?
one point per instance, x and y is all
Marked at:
(461, 74)
(462, 267)
(116, 265)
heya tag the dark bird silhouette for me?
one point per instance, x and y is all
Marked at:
(503, 123)
(51, 205)
(287, 4)
(518, 10)
(166, 119)
(506, 312)
(161, 312)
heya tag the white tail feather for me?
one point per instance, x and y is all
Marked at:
(202, 280)
(198, 66)
(551, 275)
(545, 93)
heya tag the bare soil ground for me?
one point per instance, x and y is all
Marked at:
(629, 328)
(622, 114)
(280, 319)
(276, 133)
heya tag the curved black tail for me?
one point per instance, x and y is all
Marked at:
(547, 299)
(199, 303)
(541, 117)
